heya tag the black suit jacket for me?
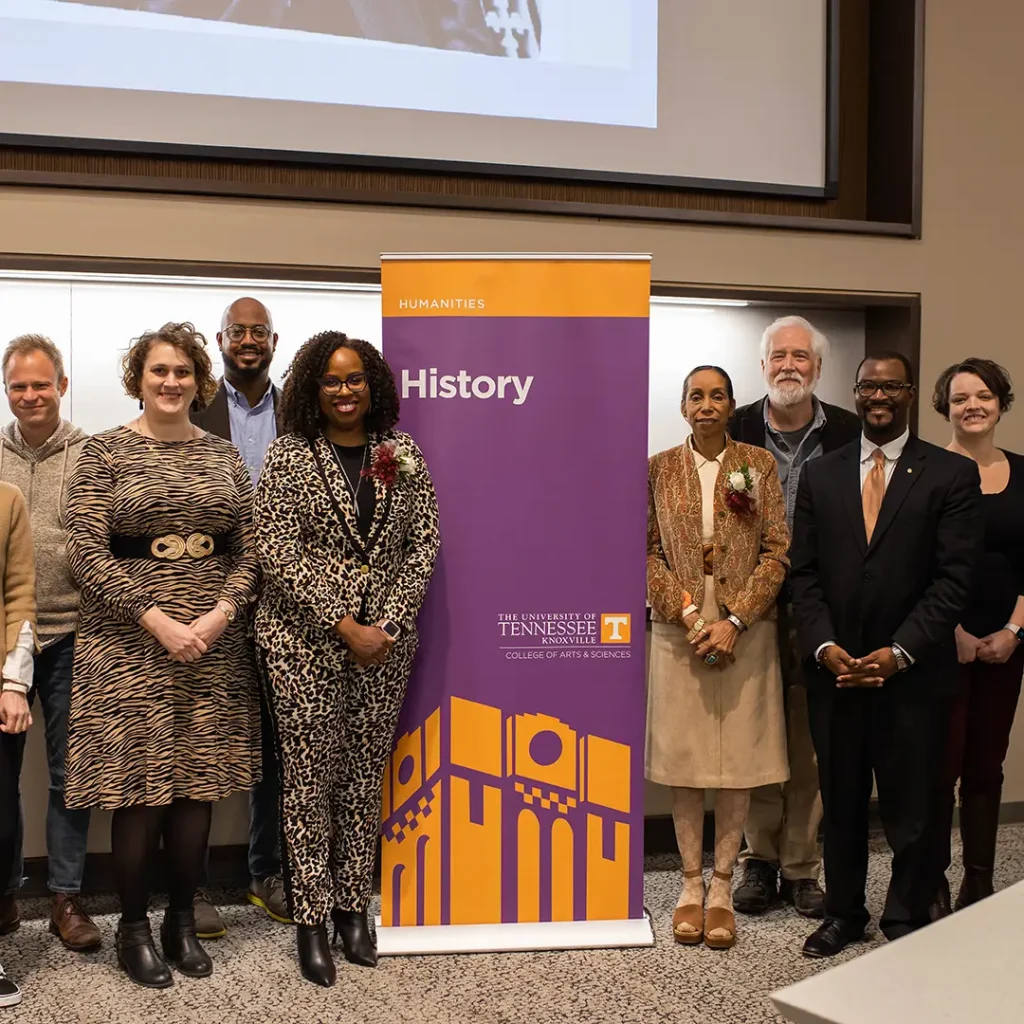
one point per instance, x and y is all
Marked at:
(841, 426)
(216, 419)
(911, 584)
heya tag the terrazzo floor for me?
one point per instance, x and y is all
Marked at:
(256, 979)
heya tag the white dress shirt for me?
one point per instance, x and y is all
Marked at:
(892, 452)
(20, 663)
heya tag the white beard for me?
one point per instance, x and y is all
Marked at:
(790, 394)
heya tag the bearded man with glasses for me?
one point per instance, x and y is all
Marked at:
(782, 856)
(245, 412)
(886, 536)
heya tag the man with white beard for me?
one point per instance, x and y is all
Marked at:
(782, 856)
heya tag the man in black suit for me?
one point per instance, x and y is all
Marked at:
(245, 411)
(886, 534)
(782, 855)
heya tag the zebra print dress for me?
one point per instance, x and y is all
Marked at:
(143, 729)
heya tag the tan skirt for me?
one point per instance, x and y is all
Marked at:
(710, 727)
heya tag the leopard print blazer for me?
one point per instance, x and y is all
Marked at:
(317, 569)
(750, 549)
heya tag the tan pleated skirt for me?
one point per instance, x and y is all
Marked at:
(711, 727)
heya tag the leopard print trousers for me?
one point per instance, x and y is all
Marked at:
(334, 728)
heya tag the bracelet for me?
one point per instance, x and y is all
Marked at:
(698, 630)
(736, 621)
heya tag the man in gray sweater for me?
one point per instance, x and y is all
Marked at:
(38, 452)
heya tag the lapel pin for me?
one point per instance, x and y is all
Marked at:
(909, 470)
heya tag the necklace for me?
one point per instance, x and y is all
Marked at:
(354, 491)
(140, 429)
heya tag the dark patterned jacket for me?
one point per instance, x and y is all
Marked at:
(317, 569)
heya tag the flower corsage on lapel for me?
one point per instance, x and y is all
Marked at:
(389, 464)
(739, 491)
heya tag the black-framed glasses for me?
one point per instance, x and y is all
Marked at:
(889, 388)
(237, 332)
(355, 382)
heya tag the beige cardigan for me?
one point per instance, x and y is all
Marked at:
(17, 566)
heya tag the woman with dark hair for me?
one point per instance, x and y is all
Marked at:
(347, 534)
(164, 702)
(717, 545)
(973, 396)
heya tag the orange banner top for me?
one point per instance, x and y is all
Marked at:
(605, 287)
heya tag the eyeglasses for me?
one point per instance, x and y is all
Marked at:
(236, 332)
(889, 388)
(355, 382)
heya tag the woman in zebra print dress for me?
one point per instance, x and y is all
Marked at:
(164, 709)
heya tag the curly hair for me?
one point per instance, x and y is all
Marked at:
(996, 379)
(300, 401)
(189, 342)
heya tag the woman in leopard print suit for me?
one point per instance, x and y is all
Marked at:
(346, 530)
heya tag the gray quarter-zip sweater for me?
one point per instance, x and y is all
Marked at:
(42, 475)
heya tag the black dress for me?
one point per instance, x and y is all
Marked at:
(1000, 576)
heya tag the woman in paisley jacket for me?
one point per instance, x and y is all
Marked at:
(716, 559)
(347, 534)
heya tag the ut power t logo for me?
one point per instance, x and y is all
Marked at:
(615, 629)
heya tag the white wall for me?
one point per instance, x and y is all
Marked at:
(684, 336)
(93, 319)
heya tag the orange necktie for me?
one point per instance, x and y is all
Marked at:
(873, 492)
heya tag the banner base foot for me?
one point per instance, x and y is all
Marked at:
(514, 938)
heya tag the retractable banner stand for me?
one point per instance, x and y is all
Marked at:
(513, 801)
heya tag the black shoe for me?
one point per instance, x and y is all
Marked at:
(941, 906)
(979, 827)
(138, 956)
(759, 888)
(356, 940)
(315, 958)
(10, 994)
(804, 895)
(832, 937)
(181, 947)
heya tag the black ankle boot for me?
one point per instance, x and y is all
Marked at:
(356, 940)
(979, 827)
(941, 906)
(181, 947)
(138, 956)
(315, 954)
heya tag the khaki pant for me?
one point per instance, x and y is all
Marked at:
(782, 826)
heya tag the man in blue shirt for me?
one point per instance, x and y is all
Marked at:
(782, 855)
(244, 411)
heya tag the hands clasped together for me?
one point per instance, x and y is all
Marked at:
(712, 643)
(869, 671)
(368, 645)
(15, 715)
(186, 643)
(994, 649)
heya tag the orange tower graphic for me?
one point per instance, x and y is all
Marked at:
(491, 818)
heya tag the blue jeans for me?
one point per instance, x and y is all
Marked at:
(67, 831)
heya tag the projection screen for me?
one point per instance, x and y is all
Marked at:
(721, 93)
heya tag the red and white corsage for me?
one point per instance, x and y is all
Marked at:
(389, 464)
(739, 490)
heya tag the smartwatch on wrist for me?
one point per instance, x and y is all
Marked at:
(1017, 631)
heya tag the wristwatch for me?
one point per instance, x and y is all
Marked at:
(1017, 631)
(228, 609)
(901, 659)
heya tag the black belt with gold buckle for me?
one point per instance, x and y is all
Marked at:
(170, 547)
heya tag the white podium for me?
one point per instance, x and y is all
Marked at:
(965, 969)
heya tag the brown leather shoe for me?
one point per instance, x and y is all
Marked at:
(72, 925)
(10, 919)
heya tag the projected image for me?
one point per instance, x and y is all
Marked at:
(497, 28)
(582, 61)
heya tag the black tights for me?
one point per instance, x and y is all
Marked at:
(134, 840)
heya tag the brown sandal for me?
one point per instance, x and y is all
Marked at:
(719, 919)
(691, 914)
